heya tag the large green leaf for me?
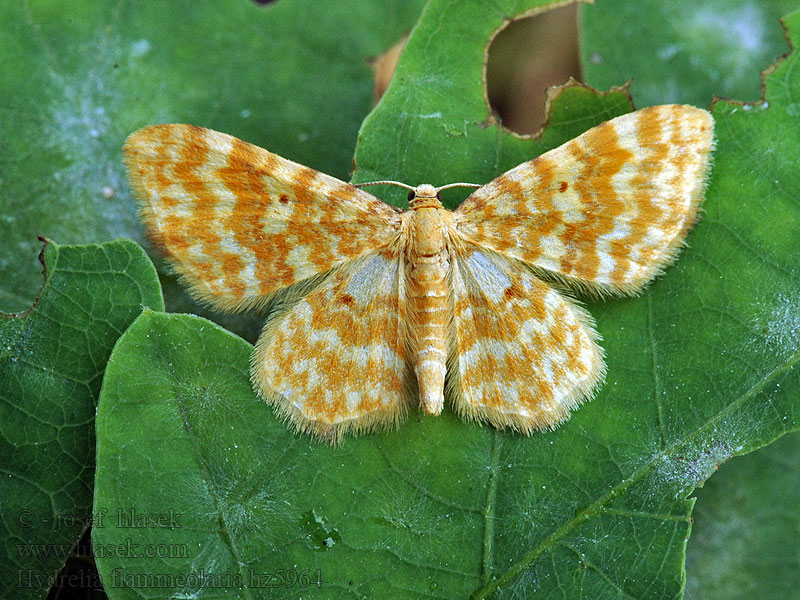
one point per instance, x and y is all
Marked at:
(420, 133)
(52, 360)
(702, 367)
(77, 78)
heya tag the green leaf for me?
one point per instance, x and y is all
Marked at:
(702, 367)
(52, 359)
(746, 526)
(292, 77)
(687, 52)
(682, 51)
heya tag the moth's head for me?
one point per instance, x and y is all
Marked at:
(423, 192)
(423, 195)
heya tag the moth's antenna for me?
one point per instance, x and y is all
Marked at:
(452, 185)
(412, 188)
(385, 182)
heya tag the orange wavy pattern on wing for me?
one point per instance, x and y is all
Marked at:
(337, 361)
(523, 355)
(238, 222)
(607, 210)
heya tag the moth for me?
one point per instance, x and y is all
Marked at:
(381, 309)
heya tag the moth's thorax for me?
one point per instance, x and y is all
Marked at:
(427, 237)
(427, 223)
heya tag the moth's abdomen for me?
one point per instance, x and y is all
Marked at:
(427, 268)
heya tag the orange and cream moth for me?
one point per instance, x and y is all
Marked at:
(384, 307)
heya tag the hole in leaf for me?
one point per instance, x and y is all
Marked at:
(525, 58)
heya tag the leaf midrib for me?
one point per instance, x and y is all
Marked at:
(488, 513)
